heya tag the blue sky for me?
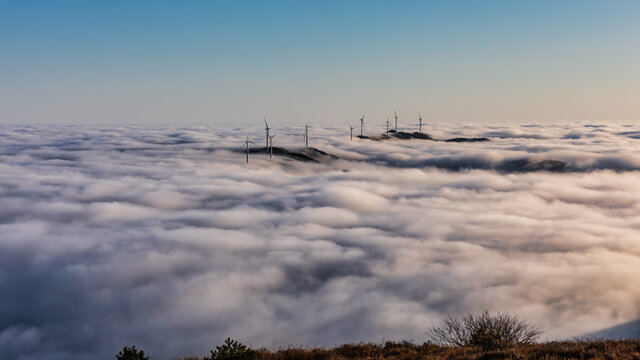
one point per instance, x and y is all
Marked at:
(206, 62)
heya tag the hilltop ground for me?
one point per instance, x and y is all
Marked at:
(595, 349)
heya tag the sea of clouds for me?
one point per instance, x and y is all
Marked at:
(165, 238)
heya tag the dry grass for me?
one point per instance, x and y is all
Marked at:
(596, 349)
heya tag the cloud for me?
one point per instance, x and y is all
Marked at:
(353, 198)
(167, 239)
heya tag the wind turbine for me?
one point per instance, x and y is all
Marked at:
(246, 143)
(306, 135)
(271, 145)
(387, 123)
(266, 127)
(420, 119)
(351, 128)
(362, 125)
(396, 116)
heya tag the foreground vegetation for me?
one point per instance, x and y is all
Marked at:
(597, 349)
(471, 336)
(592, 349)
(393, 351)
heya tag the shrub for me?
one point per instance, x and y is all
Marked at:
(131, 353)
(486, 330)
(232, 350)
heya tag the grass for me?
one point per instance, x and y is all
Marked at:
(592, 349)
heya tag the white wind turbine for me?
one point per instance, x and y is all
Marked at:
(351, 129)
(420, 119)
(388, 123)
(396, 116)
(362, 125)
(271, 145)
(306, 135)
(267, 128)
(246, 143)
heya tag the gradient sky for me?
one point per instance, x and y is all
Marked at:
(322, 62)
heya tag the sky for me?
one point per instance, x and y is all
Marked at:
(321, 62)
(123, 187)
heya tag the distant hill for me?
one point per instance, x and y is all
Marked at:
(401, 135)
(309, 154)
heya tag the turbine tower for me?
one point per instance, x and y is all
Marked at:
(396, 116)
(246, 143)
(362, 125)
(420, 119)
(266, 127)
(351, 128)
(387, 123)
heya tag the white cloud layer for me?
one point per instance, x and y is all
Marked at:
(165, 238)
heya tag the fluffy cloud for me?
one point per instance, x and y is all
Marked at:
(165, 238)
